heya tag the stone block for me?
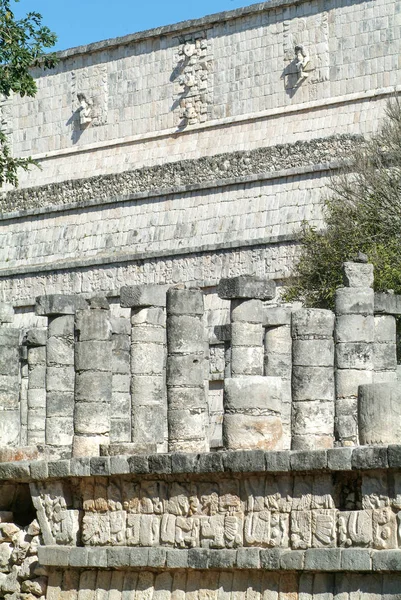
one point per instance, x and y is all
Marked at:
(36, 337)
(386, 560)
(60, 379)
(312, 322)
(148, 390)
(120, 405)
(277, 462)
(185, 371)
(198, 558)
(186, 425)
(184, 302)
(246, 286)
(120, 326)
(278, 340)
(248, 558)
(359, 301)
(313, 418)
(275, 316)
(148, 316)
(385, 329)
(354, 355)
(122, 383)
(358, 275)
(245, 461)
(313, 353)
(62, 327)
(9, 360)
(15, 470)
(384, 357)
(159, 463)
(148, 425)
(157, 557)
(39, 470)
(246, 311)
(141, 296)
(37, 377)
(246, 334)
(142, 334)
(356, 559)
(313, 383)
(339, 459)
(78, 557)
(93, 356)
(9, 337)
(247, 361)
(84, 445)
(100, 466)
(97, 557)
(120, 429)
(185, 333)
(119, 557)
(57, 556)
(292, 560)
(379, 413)
(177, 559)
(59, 304)
(308, 460)
(37, 356)
(270, 559)
(59, 431)
(368, 457)
(148, 359)
(138, 464)
(79, 467)
(222, 559)
(389, 304)
(58, 469)
(6, 313)
(60, 352)
(184, 463)
(59, 404)
(355, 328)
(394, 455)
(89, 420)
(36, 399)
(349, 380)
(245, 432)
(211, 462)
(252, 395)
(121, 362)
(312, 442)
(93, 387)
(323, 559)
(9, 427)
(93, 325)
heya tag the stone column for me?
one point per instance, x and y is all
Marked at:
(120, 421)
(252, 402)
(148, 365)
(354, 333)
(385, 349)
(186, 394)
(36, 340)
(313, 390)
(9, 387)
(379, 414)
(93, 378)
(278, 360)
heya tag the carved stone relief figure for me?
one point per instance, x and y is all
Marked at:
(85, 109)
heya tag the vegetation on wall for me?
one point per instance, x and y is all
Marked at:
(23, 43)
(362, 214)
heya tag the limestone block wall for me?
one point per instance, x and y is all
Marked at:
(164, 94)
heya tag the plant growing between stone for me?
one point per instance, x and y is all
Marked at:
(22, 46)
(362, 214)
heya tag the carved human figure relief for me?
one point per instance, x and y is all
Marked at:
(85, 109)
(323, 528)
(384, 529)
(301, 530)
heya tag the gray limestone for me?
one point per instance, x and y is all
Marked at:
(379, 413)
(59, 304)
(186, 361)
(246, 287)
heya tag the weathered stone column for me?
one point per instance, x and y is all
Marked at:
(186, 394)
(148, 364)
(60, 375)
(252, 402)
(93, 378)
(385, 349)
(36, 340)
(278, 360)
(313, 391)
(120, 420)
(9, 387)
(354, 335)
(379, 414)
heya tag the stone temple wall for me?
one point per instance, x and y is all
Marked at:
(191, 152)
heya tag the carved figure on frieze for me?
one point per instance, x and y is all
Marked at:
(384, 529)
(301, 530)
(355, 528)
(143, 530)
(233, 530)
(178, 503)
(114, 497)
(85, 109)
(212, 531)
(255, 494)
(118, 520)
(167, 529)
(131, 501)
(303, 491)
(210, 504)
(151, 497)
(187, 532)
(302, 61)
(323, 528)
(257, 528)
(375, 491)
(59, 522)
(96, 529)
(278, 494)
(322, 492)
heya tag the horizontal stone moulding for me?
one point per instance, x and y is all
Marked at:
(363, 458)
(270, 559)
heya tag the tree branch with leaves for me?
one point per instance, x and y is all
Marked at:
(23, 45)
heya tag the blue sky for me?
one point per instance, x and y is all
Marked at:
(79, 22)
